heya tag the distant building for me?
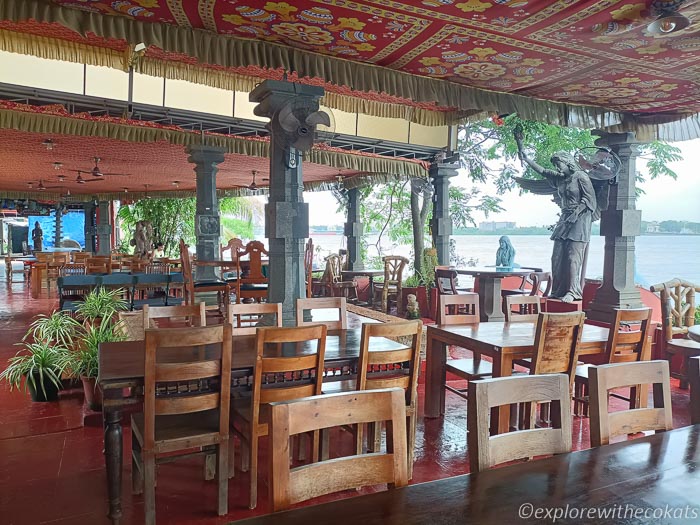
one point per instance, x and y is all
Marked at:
(653, 227)
(492, 226)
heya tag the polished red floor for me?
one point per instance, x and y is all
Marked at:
(52, 468)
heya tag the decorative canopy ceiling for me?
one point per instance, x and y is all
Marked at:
(589, 62)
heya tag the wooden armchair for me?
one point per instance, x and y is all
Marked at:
(251, 284)
(604, 378)
(289, 418)
(391, 288)
(678, 313)
(191, 287)
(486, 450)
(195, 417)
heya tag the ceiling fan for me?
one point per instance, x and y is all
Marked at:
(97, 172)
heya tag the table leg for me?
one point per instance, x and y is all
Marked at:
(35, 283)
(113, 462)
(502, 367)
(490, 302)
(371, 291)
(435, 370)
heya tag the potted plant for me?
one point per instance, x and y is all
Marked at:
(57, 328)
(40, 364)
(101, 304)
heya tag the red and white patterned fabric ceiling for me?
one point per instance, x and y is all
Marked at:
(593, 52)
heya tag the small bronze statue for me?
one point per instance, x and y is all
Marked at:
(506, 253)
(38, 237)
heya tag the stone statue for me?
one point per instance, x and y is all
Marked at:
(506, 253)
(412, 308)
(38, 237)
(143, 239)
(581, 200)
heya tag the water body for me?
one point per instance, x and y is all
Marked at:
(658, 257)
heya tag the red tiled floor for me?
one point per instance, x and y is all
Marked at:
(52, 468)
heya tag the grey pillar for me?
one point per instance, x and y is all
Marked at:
(207, 223)
(620, 224)
(58, 231)
(293, 113)
(353, 231)
(441, 222)
(90, 228)
(104, 228)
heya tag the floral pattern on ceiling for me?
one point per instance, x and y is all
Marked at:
(585, 52)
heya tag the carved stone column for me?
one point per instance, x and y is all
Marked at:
(207, 224)
(353, 231)
(104, 228)
(90, 226)
(441, 222)
(620, 224)
(293, 113)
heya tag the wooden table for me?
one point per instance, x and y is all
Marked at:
(502, 342)
(351, 274)
(489, 285)
(645, 475)
(694, 332)
(121, 367)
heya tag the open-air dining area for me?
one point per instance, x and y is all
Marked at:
(190, 337)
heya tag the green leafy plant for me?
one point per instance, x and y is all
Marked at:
(101, 304)
(57, 328)
(413, 281)
(36, 363)
(83, 362)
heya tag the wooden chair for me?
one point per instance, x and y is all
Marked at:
(80, 257)
(462, 309)
(486, 451)
(678, 313)
(446, 281)
(393, 278)
(336, 285)
(233, 246)
(694, 379)
(602, 379)
(53, 268)
(175, 316)
(191, 287)
(245, 316)
(253, 283)
(98, 265)
(323, 303)
(195, 417)
(532, 284)
(522, 308)
(10, 270)
(249, 421)
(628, 341)
(308, 266)
(557, 339)
(289, 418)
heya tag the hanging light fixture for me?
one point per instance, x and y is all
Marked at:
(48, 144)
(668, 18)
(253, 186)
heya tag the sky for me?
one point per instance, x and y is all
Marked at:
(665, 199)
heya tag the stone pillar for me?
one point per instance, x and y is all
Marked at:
(620, 224)
(207, 223)
(353, 231)
(293, 113)
(104, 228)
(441, 222)
(58, 231)
(90, 228)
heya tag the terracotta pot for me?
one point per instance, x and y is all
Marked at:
(93, 394)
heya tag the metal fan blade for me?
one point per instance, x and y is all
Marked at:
(116, 174)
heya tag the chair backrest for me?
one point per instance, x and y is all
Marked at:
(254, 250)
(245, 316)
(130, 326)
(485, 450)
(98, 264)
(175, 316)
(393, 269)
(157, 267)
(602, 379)
(233, 246)
(72, 269)
(201, 383)
(61, 258)
(399, 368)
(323, 303)
(334, 268)
(629, 333)
(43, 257)
(81, 257)
(538, 279)
(292, 485)
(694, 380)
(446, 281)
(458, 309)
(522, 308)
(677, 305)
(556, 347)
(306, 368)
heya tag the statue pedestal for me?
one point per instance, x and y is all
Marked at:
(558, 306)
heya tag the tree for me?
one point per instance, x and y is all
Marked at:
(173, 219)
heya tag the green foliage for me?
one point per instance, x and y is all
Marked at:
(57, 329)
(101, 303)
(83, 362)
(37, 362)
(412, 281)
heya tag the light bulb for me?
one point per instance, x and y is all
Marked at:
(667, 26)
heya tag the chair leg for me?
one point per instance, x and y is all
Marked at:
(222, 473)
(411, 443)
(253, 472)
(210, 466)
(231, 458)
(149, 489)
(136, 466)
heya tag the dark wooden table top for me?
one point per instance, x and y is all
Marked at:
(125, 360)
(694, 332)
(654, 479)
(493, 272)
(511, 335)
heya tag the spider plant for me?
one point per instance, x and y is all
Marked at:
(57, 328)
(40, 364)
(83, 362)
(101, 304)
